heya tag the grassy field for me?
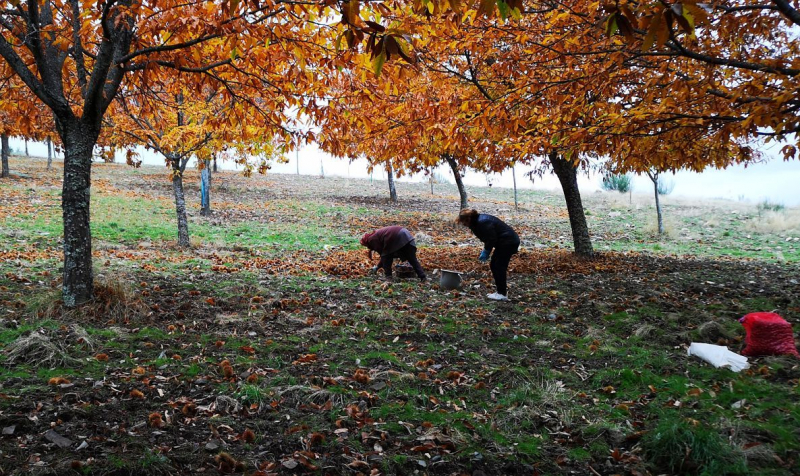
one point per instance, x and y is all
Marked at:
(267, 348)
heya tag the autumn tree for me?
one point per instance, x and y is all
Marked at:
(20, 115)
(466, 97)
(75, 55)
(253, 150)
(400, 120)
(173, 124)
(675, 85)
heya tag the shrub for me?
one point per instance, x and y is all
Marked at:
(665, 187)
(620, 183)
(438, 178)
(768, 206)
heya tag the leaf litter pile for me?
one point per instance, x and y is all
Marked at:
(235, 358)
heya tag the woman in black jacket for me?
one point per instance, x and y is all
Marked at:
(494, 234)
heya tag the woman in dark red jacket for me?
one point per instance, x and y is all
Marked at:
(393, 242)
(497, 236)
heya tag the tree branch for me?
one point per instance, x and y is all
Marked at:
(58, 104)
(680, 49)
(77, 49)
(170, 64)
(788, 11)
(162, 48)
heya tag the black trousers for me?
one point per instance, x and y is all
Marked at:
(406, 253)
(499, 266)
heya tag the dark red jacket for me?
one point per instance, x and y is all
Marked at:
(388, 240)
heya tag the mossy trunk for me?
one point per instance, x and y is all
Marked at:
(180, 202)
(79, 140)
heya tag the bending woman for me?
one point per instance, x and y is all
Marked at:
(497, 236)
(393, 242)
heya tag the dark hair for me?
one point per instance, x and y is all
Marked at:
(467, 216)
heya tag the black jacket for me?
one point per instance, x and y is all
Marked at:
(494, 233)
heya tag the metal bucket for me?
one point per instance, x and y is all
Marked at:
(450, 279)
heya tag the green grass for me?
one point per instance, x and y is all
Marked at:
(8, 336)
(151, 333)
(192, 371)
(378, 357)
(680, 446)
(249, 394)
(131, 219)
(287, 235)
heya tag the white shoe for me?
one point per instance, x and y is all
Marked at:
(497, 297)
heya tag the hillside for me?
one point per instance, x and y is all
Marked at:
(268, 348)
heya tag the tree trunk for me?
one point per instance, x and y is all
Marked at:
(79, 140)
(205, 188)
(514, 177)
(49, 153)
(392, 189)
(462, 191)
(654, 178)
(430, 178)
(4, 152)
(26, 149)
(215, 165)
(567, 174)
(180, 203)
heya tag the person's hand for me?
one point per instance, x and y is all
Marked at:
(484, 256)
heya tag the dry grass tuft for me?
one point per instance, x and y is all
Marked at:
(36, 348)
(651, 227)
(644, 331)
(776, 222)
(760, 455)
(226, 405)
(322, 396)
(79, 336)
(712, 331)
(114, 301)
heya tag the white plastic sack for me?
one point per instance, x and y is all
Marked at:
(719, 356)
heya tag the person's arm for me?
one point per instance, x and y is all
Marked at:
(385, 263)
(488, 235)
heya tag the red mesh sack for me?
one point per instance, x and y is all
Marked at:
(767, 334)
